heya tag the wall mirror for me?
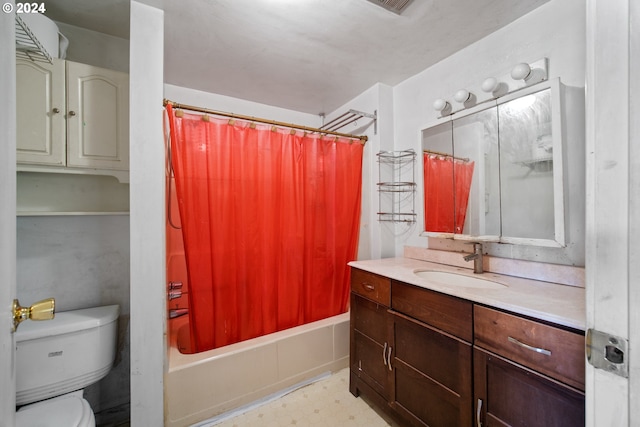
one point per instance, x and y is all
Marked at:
(494, 173)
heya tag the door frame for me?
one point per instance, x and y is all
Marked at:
(612, 201)
(7, 215)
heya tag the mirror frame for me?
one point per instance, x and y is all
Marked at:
(557, 127)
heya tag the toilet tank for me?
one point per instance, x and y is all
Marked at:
(75, 349)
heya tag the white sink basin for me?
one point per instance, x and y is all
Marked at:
(454, 279)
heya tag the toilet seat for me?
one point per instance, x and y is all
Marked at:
(68, 410)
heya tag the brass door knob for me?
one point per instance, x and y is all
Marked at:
(42, 310)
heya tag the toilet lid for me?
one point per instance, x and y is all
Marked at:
(71, 411)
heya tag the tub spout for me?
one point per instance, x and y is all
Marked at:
(177, 312)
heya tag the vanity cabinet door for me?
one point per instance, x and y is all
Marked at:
(370, 346)
(432, 375)
(508, 394)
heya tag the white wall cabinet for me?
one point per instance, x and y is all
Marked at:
(72, 115)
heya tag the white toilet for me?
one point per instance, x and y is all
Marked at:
(56, 359)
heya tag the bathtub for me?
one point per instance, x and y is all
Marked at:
(204, 385)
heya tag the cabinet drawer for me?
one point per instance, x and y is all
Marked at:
(369, 318)
(447, 313)
(544, 348)
(371, 286)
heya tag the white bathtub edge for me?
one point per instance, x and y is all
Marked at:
(181, 382)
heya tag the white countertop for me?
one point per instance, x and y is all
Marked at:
(552, 302)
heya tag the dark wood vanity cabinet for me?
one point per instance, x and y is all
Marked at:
(407, 354)
(527, 373)
(370, 336)
(430, 359)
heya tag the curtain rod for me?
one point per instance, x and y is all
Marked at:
(439, 153)
(363, 138)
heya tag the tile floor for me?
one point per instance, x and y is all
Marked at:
(326, 402)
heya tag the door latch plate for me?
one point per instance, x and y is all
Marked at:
(608, 352)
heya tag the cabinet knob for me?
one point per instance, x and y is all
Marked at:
(72, 113)
(56, 110)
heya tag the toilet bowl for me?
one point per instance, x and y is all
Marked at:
(69, 410)
(56, 359)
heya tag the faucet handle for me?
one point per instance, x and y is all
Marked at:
(175, 285)
(476, 245)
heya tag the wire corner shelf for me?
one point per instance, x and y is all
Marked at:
(27, 44)
(396, 186)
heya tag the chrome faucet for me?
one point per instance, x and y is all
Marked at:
(476, 256)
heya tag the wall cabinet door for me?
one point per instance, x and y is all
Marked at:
(507, 394)
(97, 117)
(72, 115)
(40, 110)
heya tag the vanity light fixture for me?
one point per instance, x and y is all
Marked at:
(521, 71)
(441, 105)
(490, 84)
(462, 95)
(530, 73)
(522, 75)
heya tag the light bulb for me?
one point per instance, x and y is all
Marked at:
(440, 104)
(521, 71)
(462, 95)
(489, 84)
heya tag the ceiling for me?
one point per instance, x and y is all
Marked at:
(305, 55)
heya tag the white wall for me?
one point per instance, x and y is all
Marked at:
(81, 261)
(228, 104)
(555, 31)
(376, 239)
(97, 49)
(148, 273)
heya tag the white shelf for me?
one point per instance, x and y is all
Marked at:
(121, 176)
(51, 194)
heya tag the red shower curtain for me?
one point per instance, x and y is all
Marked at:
(269, 220)
(447, 185)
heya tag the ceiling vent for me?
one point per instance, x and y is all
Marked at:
(395, 6)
